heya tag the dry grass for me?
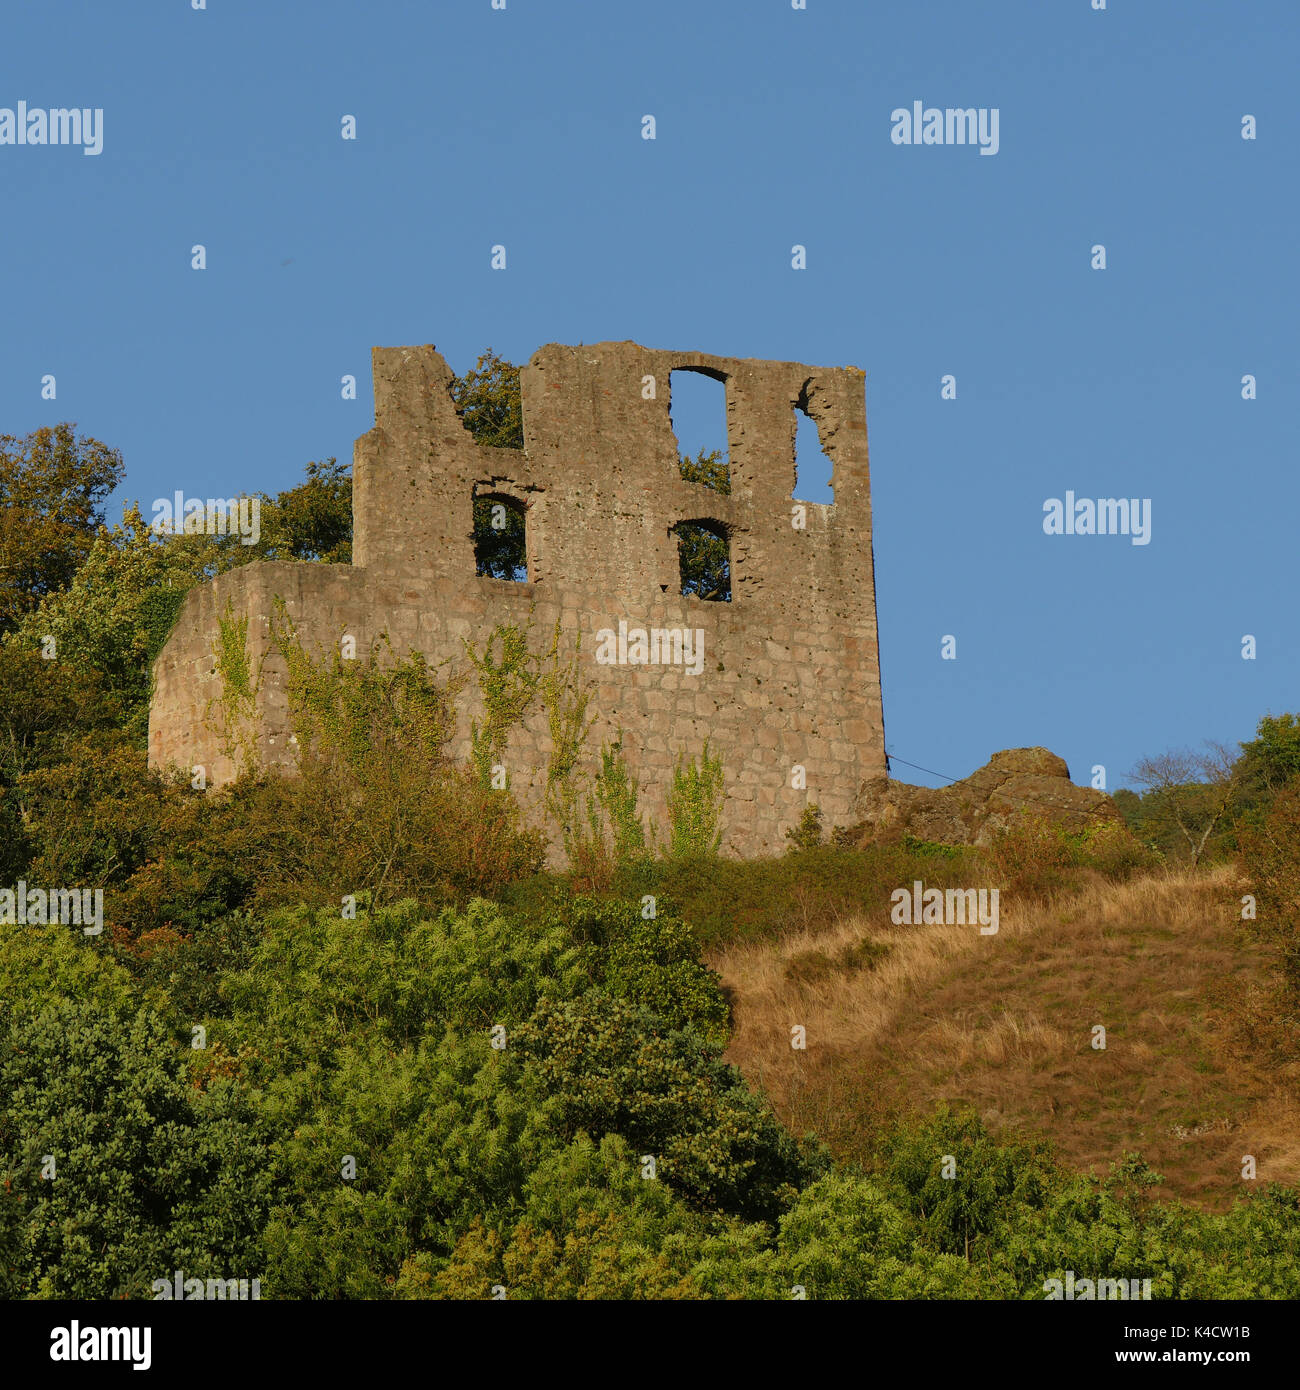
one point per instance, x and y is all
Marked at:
(1190, 1075)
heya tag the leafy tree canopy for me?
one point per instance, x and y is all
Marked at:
(53, 486)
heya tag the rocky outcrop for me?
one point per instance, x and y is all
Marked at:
(972, 811)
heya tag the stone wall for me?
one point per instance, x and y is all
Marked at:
(790, 674)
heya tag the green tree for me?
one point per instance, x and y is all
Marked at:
(704, 560)
(1188, 803)
(151, 1171)
(94, 817)
(1272, 758)
(709, 468)
(1270, 851)
(651, 959)
(53, 486)
(850, 1237)
(590, 1227)
(1268, 762)
(489, 401)
(956, 1178)
(115, 615)
(618, 1069)
(500, 542)
(703, 552)
(44, 707)
(310, 521)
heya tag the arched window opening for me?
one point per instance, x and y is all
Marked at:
(500, 537)
(697, 410)
(704, 559)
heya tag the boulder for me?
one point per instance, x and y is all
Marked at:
(972, 811)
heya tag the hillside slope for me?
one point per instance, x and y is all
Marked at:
(898, 1019)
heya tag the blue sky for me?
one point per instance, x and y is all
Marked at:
(523, 127)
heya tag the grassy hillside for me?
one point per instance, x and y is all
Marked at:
(899, 1018)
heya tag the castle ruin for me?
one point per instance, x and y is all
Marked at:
(789, 674)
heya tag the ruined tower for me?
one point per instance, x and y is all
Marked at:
(789, 675)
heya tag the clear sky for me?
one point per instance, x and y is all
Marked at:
(523, 127)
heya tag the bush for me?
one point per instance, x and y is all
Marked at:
(317, 980)
(378, 808)
(95, 816)
(730, 900)
(1034, 856)
(590, 1227)
(808, 834)
(1113, 850)
(370, 1038)
(651, 962)
(615, 1069)
(151, 1172)
(1270, 856)
(1031, 855)
(848, 1237)
(956, 1179)
(438, 1133)
(380, 804)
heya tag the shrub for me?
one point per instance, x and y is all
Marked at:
(95, 816)
(1271, 858)
(316, 980)
(615, 1069)
(652, 962)
(956, 1179)
(379, 804)
(614, 837)
(849, 1237)
(590, 1227)
(595, 1258)
(440, 1133)
(1035, 856)
(808, 833)
(151, 1173)
(1113, 850)
(1030, 855)
(729, 900)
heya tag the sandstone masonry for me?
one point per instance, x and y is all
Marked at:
(790, 674)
